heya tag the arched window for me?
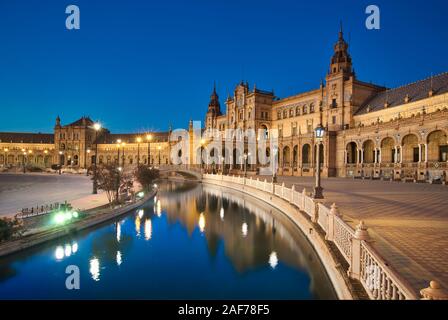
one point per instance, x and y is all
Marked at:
(305, 109)
(297, 111)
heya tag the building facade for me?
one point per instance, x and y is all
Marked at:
(370, 130)
(73, 146)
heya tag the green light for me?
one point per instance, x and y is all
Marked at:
(140, 194)
(75, 214)
(59, 218)
(68, 216)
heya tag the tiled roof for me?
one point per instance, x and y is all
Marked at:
(19, 137)
(80, 122)
(415, 91)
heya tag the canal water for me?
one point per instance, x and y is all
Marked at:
(192, 241)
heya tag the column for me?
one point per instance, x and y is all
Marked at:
(426, 152)
(375, 158)
(379, 155)
(345, 156)
(401, 154)
(362, 156)
(396, 155)
(419, 153)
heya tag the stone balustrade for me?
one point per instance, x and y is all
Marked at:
(379, 280)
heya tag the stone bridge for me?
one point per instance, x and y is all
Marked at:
(186, 172)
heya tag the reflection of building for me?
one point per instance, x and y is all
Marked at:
(198, 207)
(73, 146)
(370, 130)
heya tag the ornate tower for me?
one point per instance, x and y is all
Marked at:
(214, 110)
(339, 86)
(341, 62)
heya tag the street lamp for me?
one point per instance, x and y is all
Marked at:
(159, 148)
(139, 139)
(274, 168)
(23, 160)
(245, 165)
(119, 169)
(149, 138)
(60, 162)
(319, 134)
(85, 161)
(118, 151)
(97, 128)
(6, 156)
(123, 159)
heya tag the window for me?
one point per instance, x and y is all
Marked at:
(285, 114)
(280, 131)
(291, 113)
(333, 103)
(305, 109)
(312, 108)
(279, 115)
(443, 153)
(415, 155)
(297, 111)
(333, 120)
(294, 129)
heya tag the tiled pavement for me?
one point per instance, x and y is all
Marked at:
(408, 222)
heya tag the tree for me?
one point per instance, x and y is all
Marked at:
(113, 181)
(9, 228)
(146, 176)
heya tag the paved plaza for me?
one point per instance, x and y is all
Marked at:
(408, 221)
(31, 189)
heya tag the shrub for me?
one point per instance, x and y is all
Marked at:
(146, 176)
(9, 228)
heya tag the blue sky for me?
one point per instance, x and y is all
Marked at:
(137, 65)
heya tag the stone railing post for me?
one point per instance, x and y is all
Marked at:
(434, 292)
(361, 234)
(302, 207)
(315, 213)
(283, 188)
(334, 212)
(293, 190)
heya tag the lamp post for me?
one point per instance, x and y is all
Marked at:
(96, 127)
(149, 138)
(6, 156)
(123, 159)
(118, 183)
(60, 162)
(319, 133)
(118, 151)
(245, 165)
(23, 160)
(85, 161)
(138, 151)
(274, 167)
(159, 148)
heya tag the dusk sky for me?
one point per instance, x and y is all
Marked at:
(137, 65)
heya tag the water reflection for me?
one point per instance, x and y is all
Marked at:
(65, 251)
(193, 241)
(95, 268)
(148, 229)
(252, 233)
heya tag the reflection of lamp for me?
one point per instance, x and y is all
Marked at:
(95, 269)
(221, 213)
(118, 232)
(118, 258)
(273, 260)
(202, 222)
(244, 229)
(148, 229)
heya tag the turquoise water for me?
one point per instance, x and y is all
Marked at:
(191, 242)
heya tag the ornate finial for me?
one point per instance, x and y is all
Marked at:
(434, 292)
(340, 30)
(361, 232)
